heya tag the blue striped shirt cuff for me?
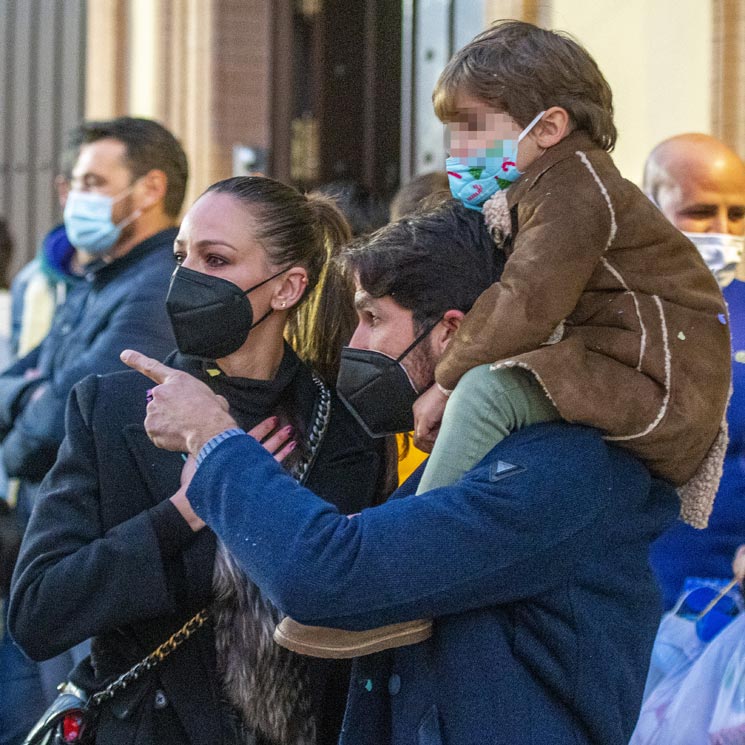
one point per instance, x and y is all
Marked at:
(210, 445)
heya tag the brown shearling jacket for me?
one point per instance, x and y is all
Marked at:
(611, 308)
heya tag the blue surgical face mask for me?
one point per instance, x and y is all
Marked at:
(88, 220)
(475, 179)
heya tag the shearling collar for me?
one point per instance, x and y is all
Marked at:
(578, 140)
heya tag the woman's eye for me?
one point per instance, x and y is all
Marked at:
(179, 258)
(215, 261)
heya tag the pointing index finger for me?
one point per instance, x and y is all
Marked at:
(156, 371)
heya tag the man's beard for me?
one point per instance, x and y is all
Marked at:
(421, 363)
(128, 231)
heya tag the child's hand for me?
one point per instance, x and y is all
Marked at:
(428, 411)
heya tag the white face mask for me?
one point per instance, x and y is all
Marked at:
(721, 252)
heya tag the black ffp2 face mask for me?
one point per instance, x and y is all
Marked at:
(377, 390)
(211, 317)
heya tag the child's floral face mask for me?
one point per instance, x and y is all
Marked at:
(482, 162)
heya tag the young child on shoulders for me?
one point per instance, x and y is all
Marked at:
(602, 301)
(605, 314)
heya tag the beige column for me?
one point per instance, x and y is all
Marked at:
(154, 58)
(201, 67)
(187, 93)
(171, 53)
(728, 73)
(106, 59)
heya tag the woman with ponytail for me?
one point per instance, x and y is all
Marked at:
(113, 550)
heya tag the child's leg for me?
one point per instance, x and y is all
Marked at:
(484, 408)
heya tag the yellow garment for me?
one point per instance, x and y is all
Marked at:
(409, 461)
(40, 300)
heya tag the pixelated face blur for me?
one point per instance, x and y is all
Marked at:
(479, 131)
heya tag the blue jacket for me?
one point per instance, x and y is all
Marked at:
(684, 551)
(534, 567)
(122, 304)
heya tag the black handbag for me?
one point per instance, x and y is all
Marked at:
(71, 718)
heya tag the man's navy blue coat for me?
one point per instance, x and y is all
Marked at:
(534, 567)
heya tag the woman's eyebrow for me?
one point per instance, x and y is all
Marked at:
(206, 242)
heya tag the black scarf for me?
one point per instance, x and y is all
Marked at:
(265, 684)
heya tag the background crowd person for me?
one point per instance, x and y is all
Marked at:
(699, 185)
(364, 210)
(41, 286)
(534, 565)
(410, 195)
(113, 549)
(128, 183)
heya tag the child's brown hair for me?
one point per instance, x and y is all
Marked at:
(522, 69)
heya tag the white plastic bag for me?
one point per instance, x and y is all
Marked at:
(712, 687)
(676, 648)
(728, 721)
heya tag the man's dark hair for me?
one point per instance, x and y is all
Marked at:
(432, 261)
(148, 145)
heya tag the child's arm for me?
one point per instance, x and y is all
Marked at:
(428, 411)
(567, 225)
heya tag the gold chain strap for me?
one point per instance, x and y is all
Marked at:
(154, 658)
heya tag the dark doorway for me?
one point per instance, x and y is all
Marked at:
(337, 83)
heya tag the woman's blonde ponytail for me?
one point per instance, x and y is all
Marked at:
(325, 321)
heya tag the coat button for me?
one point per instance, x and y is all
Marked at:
(160, 700)
(394, 684)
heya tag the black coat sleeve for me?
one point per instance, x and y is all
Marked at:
(76, 578)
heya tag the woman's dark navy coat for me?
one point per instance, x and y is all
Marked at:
(106, 555)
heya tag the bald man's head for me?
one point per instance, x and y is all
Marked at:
(698, 183)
